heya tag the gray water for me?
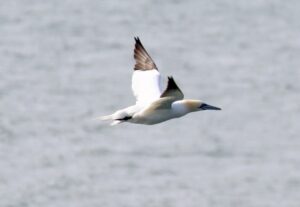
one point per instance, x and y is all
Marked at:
(62, 63)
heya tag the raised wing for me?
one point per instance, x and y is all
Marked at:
(172, 90)
(146, 80)
(143, 61)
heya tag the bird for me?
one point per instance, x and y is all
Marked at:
(153, 103)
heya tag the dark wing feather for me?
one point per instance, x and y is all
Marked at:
(143, 61)
(172, 90)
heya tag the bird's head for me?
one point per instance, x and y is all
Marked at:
(197, 105)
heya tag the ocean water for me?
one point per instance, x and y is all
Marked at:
(64, 62)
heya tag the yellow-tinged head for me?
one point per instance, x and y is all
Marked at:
(197, 105)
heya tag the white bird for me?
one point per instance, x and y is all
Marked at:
(154, 105)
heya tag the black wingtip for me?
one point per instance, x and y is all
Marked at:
(170, 78)
(141, 56)
(171, 83)
(137, 39)
(171, 87)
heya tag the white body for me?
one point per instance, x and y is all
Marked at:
(149, 117)
(151, 114)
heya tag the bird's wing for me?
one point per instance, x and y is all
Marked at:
(172, 90)
(171, 93)
(161, 103)
(146, 80)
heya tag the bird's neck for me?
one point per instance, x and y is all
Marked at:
(180, 108)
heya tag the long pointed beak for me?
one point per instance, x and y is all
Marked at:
(209, 107)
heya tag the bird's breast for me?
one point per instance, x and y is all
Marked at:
(153, 117)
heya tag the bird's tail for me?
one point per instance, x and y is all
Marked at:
(115, 122)
(108, 118)
(104, 118)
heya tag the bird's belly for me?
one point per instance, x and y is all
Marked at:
(153, 118)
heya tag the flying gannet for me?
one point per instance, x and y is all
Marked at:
(153, 104)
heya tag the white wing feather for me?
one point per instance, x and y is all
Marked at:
(146, 86)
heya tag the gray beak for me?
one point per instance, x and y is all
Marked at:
(208, 107)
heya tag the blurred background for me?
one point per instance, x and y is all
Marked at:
(65, 62)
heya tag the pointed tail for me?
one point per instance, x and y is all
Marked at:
(115, 123)
(108, 118)
(104, 118)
